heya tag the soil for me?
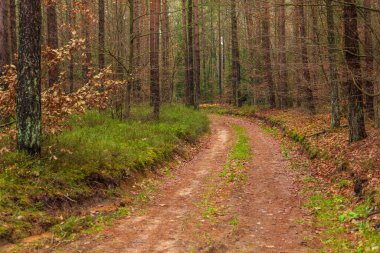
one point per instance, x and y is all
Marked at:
(196, 210)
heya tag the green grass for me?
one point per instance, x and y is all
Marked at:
(245, 110)
(89, 160)
(238, 157)
(334, 215)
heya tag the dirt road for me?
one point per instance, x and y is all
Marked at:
(195, 210)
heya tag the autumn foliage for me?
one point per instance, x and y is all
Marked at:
(100, 92)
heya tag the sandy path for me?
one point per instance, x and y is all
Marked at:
(266, 207)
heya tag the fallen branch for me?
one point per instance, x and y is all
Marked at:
(7, 124)
(324, 131)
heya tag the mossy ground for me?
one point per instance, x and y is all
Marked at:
(90, 160)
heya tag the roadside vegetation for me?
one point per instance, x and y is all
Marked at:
(339, 180)
(89, 160)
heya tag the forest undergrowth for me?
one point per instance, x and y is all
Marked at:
(90, 159)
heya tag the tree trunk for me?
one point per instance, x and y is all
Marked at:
(354, 82)
(308, 96)
(29, 78)
(235, 56)
(52, 39)
(155, 7)
(368, 46)
(284, 93)
(166, 89)
(185, 48)
(197, 57)
(13, 30)
(71, 20)
(190, 44)
(86, 34)
(101, 35)
(267, 55)
(220, 56)
(332, 52)
(250, 42)
(131, 48)
(137, 49)
(4, 45)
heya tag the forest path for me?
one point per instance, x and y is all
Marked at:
(195, 210)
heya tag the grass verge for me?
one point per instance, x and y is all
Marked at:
(91, 160)
(244, 111)
(238, 157)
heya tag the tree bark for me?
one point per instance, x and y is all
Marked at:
(86, 34)
(137, 89)
(332, 54)
(166, 89)
(130, 73)
(369, 59)
(101, 35)
(4, 43)
(250, 42)
(71, 20)
(267, 55)
(354, 82)
(220, 56)
(155, 7)
(308, 92)
(13, 30)
(190, 44)
(284, 93)
(235, 56)
(185, 48)
(197, 57)
(52, 38)
(29, 78)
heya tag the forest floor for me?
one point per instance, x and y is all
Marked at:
(238, 194)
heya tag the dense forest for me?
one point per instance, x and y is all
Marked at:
(113, 64)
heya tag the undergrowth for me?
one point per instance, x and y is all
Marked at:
(245, 110)
(90, 160)
(333, 214)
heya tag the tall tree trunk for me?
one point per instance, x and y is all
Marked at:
(332, 51)
(101, 35)
(29, 79)
(71, 20)
(52, 38)
(354, 82)
(267, 55)
(297, 56)
(137, 48)
(308, 96)
(155, 7)
(190, 44)
(250, 41)
(220, 56)
(368, 46)
(4, 43)
(166, 89)
(13, 30)
(86, 34)
(235, 56)
(197, 57)
(284, 93)
(185, 48)
(131, 49)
